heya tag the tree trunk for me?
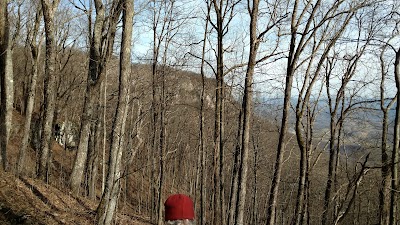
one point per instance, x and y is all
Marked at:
(154, 119)
(384, 189)
(10, 88)
(100, 53)
(235, 173)
(108, 203)
(104, 123)
(90, 98)
(161, 147)
(273, 192)
(331, 169)
(395, 154)
(202, 218)
(247, 113)
(93, 162)
(255, 185)
(35, 55)
(299, 213)
(49, 8)
(4, 37)
(218, 213)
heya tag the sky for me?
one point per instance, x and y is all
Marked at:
(270, 76)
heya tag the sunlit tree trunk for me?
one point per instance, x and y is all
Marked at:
(93, 76)
(101, 49)
(10, 87)
(108, 203)
(12, 42)
(49, 8)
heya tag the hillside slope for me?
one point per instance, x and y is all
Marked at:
(30, 201)
(25, 200)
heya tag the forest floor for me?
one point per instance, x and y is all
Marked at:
(27, 200)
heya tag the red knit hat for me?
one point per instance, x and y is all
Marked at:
(179, 207)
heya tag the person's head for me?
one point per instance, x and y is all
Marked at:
(179, 210)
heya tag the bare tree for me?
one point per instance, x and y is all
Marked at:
(49, 8)
(34, 35)
(202, 150)
(256, 38)
(224, 13)
(297, 17)
(166, 22)
(4, 36)
(108, 203)
(395, 153)
(307, 20)
(14, 27)
(389, 182)
(160, 20)
(384, 190)
(341, 103)
(330, 36)
(101, 48)
(247, 110)
(15, 24)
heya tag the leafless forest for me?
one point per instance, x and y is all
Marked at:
(264, 112)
